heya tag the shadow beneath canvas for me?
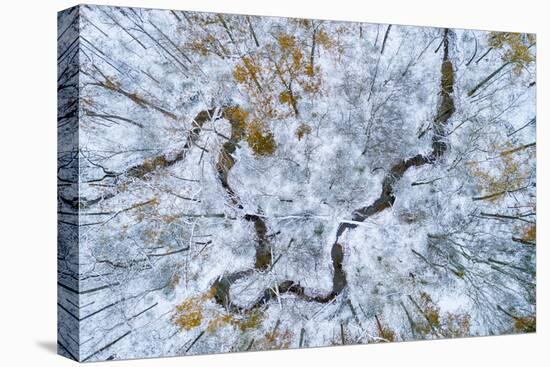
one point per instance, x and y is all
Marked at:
(48, 345)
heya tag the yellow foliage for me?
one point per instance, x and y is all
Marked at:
(205, 46)
(240, 74)
(263, 71)
(516, 46)
(456, 325)
(385, 332)
(251, 65)
(283, 65)
(218, 322)
(530, 233)
(260, 138)
(189, 313)
(256, 132)
(303, 129)
(276, 339)
(286, 42)
(112, 85)
(249, 321)
(236, 114)
(324, 40)
(286, 97)
(310, 70)
(510, 173)
(238, 118)
(303, 23)
(448, 325)
(247, 71)
(525, 324)
(261, 74)
(296, 58)
(430, 310)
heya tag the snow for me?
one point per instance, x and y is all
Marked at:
(150, 243)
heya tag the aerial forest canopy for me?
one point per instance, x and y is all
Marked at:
(252, 183)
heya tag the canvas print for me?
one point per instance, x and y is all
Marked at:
(234, 183)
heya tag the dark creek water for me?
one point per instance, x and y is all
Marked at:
(386, 199)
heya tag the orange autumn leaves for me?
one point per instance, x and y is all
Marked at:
(191, 313)
(515, 46)
(274, 81)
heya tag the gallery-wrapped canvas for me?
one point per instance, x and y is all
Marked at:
(235, 183)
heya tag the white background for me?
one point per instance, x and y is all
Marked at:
(28, 181)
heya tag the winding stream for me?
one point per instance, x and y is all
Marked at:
(222, 284)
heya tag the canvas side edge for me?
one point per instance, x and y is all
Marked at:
(68, 67)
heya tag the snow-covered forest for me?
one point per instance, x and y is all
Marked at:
(234, 183)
